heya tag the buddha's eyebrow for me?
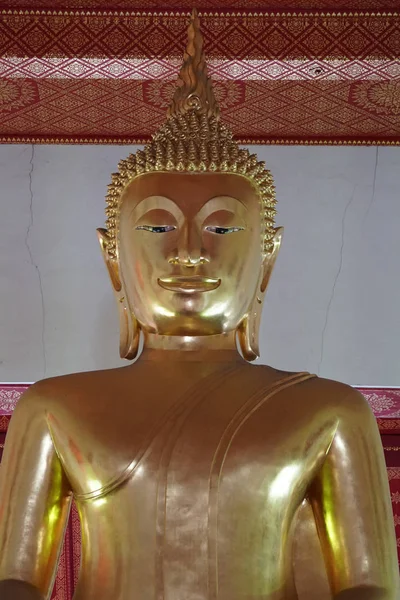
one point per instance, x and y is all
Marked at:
(230, 203)
(154, 203)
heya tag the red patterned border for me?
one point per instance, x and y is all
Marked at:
(9, 396)
(389, 425)
(385, 402)
(95, 77)
(214, 5)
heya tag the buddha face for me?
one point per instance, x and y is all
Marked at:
(190, 251)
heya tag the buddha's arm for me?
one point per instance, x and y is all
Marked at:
(351, 504)
(34, 504)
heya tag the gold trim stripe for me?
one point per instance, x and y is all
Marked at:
(244, 14)
(10, 139)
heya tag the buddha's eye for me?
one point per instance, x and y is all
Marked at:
(157, 228)
(223, 230)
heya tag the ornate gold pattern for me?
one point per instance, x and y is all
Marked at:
(201, 13)
(382, 98)
(16, 94)
(90, 70)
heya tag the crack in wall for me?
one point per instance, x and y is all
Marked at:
(371, 202)
(32, 260)
(339, 269)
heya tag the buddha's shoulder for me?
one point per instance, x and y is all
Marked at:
(67, 390)
(318, 391)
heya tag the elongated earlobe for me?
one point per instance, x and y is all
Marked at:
(129, 331)
(249, 329)
(128, 325)
(248, 335)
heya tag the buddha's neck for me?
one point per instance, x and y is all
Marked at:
(210, 348)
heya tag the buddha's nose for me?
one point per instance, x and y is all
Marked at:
(190, 261)
(188, 258)
(189, 252)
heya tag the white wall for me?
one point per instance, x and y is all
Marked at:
(334, 300)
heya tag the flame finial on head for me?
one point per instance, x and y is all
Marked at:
(195, 89)
(192, 139)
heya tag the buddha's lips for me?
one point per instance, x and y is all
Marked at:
(189, 285)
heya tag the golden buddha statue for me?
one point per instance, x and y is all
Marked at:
(214, 479)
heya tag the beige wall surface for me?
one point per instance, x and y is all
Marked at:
(334, 299)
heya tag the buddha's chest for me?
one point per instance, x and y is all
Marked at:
(209, 497)
(207, 441)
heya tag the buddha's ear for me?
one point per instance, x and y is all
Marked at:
(111, 263)
(249, 329)
(270, 259)
(128, 325)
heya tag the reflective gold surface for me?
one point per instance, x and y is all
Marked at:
(197, 235)
(196, 484)
(196, 475)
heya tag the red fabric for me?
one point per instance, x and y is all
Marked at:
(91, 77)
(386, 406)
(219, 5)
(385, 403)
